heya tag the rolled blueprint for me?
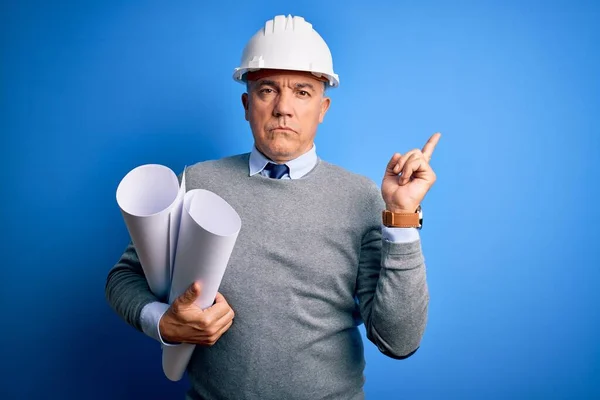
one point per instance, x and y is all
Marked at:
(208, 232)
(150, 199)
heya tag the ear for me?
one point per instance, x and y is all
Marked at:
(325, 103)
(245, 103)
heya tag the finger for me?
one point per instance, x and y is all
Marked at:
(219, 298)
(224, 329)
(400, 165)
(430, 145)
(409, 159)
(389, 170)
(216, 311)
(216, 326)
(210, 340)
(190, 295)
(410, 168)
(224, 320)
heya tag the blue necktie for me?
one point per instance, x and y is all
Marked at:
(276, 171)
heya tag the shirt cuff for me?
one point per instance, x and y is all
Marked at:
(400, 235)
(150, 318)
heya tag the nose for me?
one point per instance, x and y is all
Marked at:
(283, 104)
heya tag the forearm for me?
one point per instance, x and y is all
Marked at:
(127, 290)
(398, 315)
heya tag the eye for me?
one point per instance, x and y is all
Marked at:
(303, 93)
(266, 90)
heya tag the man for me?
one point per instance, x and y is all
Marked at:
(321, 250)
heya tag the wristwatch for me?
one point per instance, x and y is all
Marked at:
(403, 220)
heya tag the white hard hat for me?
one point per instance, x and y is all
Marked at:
(288, 43)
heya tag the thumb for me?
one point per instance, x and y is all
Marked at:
(191, 294)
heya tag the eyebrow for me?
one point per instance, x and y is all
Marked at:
(304, 85)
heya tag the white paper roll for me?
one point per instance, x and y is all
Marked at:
(150, 199)
(208, 232)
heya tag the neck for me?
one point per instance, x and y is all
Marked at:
(282, 159)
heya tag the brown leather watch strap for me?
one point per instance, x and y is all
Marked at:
(401, 220)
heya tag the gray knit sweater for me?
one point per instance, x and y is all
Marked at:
(308, 267)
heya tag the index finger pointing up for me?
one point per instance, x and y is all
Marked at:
(430, 145)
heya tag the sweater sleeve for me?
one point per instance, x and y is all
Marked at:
(391, 290)
(127, 290)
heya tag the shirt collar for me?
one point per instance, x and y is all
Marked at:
(298, 167)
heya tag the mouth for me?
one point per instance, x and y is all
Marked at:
(283, 128)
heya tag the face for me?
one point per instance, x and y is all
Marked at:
(284, 109)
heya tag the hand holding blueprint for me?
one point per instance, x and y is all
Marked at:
(180, 238)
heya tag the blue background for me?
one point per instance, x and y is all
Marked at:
(90, 90)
